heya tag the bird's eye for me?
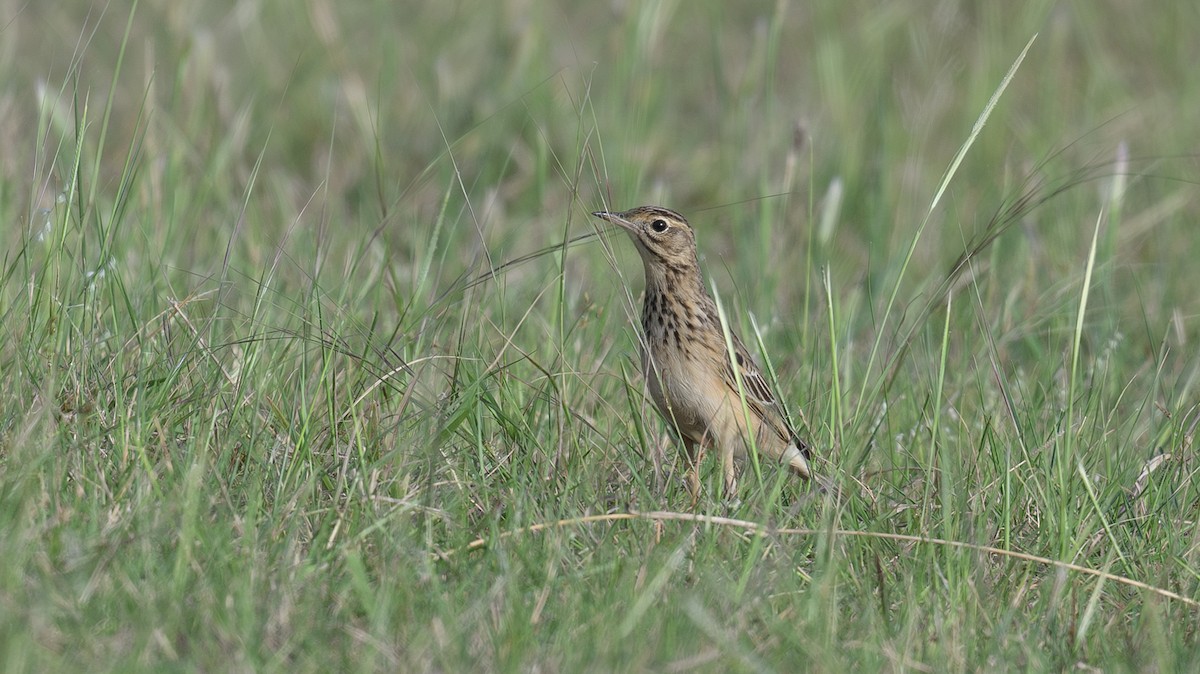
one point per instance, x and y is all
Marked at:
(659, 225)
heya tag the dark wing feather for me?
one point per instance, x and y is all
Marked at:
(758, 394)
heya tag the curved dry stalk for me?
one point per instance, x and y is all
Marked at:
(756, 527)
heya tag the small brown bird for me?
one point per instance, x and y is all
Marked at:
(688, 364)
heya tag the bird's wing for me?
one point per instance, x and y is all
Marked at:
(758, 393)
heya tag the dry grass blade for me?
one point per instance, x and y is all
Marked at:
(757, 527)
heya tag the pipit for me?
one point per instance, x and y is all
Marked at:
(708, 388)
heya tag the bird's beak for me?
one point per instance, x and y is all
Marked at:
(617, 220)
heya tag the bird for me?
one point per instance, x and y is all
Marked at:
(708, 388)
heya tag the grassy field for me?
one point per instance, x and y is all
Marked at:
(301, 375)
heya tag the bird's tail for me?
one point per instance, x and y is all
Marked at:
(796, 457)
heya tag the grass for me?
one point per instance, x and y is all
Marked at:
(313, 363)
